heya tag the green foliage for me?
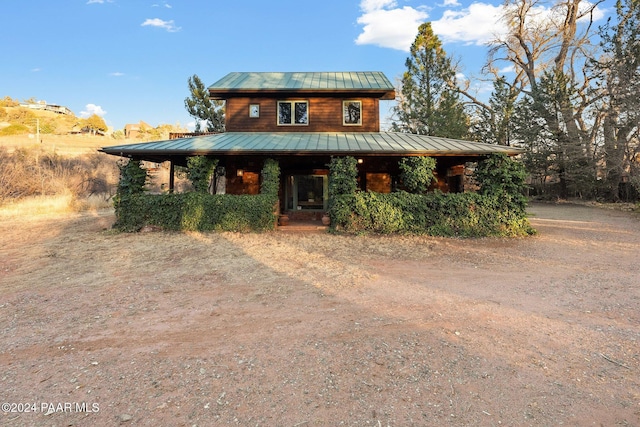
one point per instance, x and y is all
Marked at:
(197, 212)
(270, 178)
(203, 109)
(200, 211)
(132, 181)
(503, 177)
(343, 174)
(437, 214)
(429, 102)
(133, 178)
(494, 123)
(417, 173)
(498, 210)
(199, 171)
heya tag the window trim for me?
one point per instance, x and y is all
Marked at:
(344, 106)
(292, 103)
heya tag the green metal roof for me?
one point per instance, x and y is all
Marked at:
(303, 81)
(307, 143)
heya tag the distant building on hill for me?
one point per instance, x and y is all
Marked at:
(42, 105)
(132, 131)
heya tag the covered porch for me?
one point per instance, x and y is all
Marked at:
(304, 161)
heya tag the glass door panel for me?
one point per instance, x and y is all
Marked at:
(307, 192)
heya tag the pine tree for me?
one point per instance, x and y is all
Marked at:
(493, 124)
(201, 108)
(429, 102)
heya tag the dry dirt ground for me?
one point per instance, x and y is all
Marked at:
(309, 329)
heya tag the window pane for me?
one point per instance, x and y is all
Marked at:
(284, 113)
(301, 113)
(352, 112)
(310, 192)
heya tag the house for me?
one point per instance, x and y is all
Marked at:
(302, 120)
(133, 130)
(42, 105)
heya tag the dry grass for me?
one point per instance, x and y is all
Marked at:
(29, 171)
(319, 329)
(68, 145)
(56, 205)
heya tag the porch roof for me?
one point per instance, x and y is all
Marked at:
(308, 144)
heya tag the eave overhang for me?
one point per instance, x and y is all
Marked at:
(308, 144)
(364, 83)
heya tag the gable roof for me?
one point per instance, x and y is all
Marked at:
(373, 82)
(309, 143)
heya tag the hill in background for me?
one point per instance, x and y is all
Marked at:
(36, 123)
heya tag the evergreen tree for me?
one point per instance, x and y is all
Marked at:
(203, 109)
(529, 130)
(620, 77)
(494, 123)
(429, 101)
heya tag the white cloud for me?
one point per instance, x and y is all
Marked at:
(477, 24)
(92, 109)
(116, 74)
(508, 69)
(373, 5)
(386, 25)
(598, 12)
(99, 1)
(481, 22)
(164, 4)
(157, 22)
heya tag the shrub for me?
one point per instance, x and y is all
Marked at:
(343, 175)
(34, 172)
(197, 211)
(501, 176)
(200, 211)
(200, 169)
(417, 173)
(270, 178)
(133, 178)
(438, 214)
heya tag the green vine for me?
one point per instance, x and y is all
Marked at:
(270, 178)
(343, 174)
(417, 173)
(200, 169)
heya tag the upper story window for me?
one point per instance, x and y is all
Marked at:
(293, 113)
(352, 113)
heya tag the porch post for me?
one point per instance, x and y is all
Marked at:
(171, 175)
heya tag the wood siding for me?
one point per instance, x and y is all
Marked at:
(325, 115)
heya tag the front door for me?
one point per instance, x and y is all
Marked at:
(307, 193)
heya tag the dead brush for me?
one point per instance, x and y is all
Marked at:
(31, 172)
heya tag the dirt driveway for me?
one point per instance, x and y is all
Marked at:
(282, 329)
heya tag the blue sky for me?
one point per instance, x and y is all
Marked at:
(129, 60)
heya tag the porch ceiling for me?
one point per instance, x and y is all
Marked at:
(308, 144)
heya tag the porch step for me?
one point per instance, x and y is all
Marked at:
(315, 226)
